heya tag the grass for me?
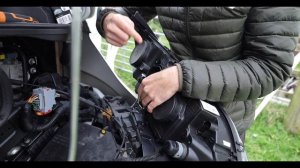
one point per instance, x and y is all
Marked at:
(267, 139)
(298, 67)
(127, 79)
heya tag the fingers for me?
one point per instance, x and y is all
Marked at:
(119, 38)
(146, 101)
(144, 96)
(152, 105)
(129, 29)
(157, 88)
(118, 29)
(114, 43)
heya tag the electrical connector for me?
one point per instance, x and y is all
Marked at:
(45, 101)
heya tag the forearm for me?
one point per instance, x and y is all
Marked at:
(228, 81)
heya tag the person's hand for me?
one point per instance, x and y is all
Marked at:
(118, 29)
(158, 88)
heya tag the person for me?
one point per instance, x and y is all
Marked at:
(230, 55)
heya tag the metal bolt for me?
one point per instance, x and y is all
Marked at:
(32, 70)
(13, 151)
(27, 141)
(240, 149)
(31, 61)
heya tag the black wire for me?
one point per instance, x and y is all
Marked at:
(121, 146)
(83, 100)
(53, 80)
(17, 82)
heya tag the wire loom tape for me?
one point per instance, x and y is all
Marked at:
(6, 97)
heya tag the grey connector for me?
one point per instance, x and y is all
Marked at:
(45, 101)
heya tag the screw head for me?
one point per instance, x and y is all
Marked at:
(27, 141)
(240, 149)
(32, 70)
(13, 151)
(31, 61)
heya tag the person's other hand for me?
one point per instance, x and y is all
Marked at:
(158, 88)
(118, 29)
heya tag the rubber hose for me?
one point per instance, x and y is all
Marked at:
(58, 113)
(28, 124)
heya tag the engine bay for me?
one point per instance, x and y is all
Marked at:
(40, 109)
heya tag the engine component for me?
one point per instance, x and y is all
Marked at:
(28, 118)
(92, 145)
(45, 100)
(11, 66)
(126, 122)
(6, 97)
(31, 61)
(175, 149)
(32, 70)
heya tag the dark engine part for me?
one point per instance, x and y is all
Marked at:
(201, 130)
(170, 121)
(125, 138)
(138, 142)
(92, 145)
(29, 125)
(126, 123)
(148, 58)
(6, 97)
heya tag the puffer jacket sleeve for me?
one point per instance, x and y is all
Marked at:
(268, 45)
